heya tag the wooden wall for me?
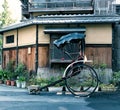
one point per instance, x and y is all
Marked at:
(8, 55)
(99, 55)
(27, 56)
(43, 56)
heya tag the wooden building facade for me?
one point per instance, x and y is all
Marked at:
(31, 41)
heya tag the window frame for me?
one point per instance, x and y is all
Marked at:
(10, 39)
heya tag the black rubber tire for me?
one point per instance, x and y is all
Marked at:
(81, 79)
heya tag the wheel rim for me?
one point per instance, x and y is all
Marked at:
(81, 80)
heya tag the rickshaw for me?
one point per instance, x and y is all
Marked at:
(79, 78)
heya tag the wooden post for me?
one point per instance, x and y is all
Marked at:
(116, 47)
(36, 53)
(17, 49)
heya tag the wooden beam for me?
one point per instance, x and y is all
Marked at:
(36, 53)
(116, 47)
(17, 49)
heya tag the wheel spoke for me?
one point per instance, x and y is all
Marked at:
(81, 80)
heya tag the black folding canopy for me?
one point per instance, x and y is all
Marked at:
(69, 38)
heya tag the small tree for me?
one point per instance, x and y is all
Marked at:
(5, 15)
(5, 20)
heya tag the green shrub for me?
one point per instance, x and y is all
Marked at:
(116, 78)
(21, 71)
(1, 74)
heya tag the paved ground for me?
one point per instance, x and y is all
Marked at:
(12, 98)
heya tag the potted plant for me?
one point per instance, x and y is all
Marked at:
(22, 73)
(10, 74)
(22, 81)
(18, 84)
(8, 81)
(6, 77)
(11, 77)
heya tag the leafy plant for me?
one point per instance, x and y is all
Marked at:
(107, 87)
(1, 74)
(116, 78)
(10, 70)
(101, 70)
(21, 72)
(103, 66)
(21, 78)
(5, 74)
(53, 79)
(32, 81)
(20, 69)
(42, 81)
(46, 81)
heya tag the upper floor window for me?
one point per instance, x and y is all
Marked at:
(10, 39)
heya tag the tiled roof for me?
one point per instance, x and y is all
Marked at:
(63, 19)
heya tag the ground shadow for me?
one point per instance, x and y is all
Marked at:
(104, 101)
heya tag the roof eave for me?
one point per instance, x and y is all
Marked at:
(62, 20)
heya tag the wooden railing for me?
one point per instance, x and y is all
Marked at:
(104, 7)
(98, 7)
(60, 5)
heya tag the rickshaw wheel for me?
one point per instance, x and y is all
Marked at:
(81, 80)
